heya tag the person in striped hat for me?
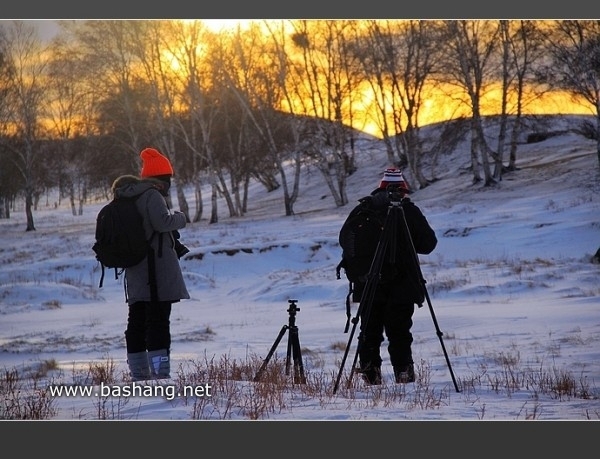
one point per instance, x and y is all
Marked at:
(394, 177)
(397, 290)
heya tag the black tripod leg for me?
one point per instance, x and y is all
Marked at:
(366, 301)
(356, 354)
(288, 355)
(368, 297)
(421, 279)
(339, 375)
(299, 377)
(270, 354)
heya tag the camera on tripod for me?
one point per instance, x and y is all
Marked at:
(396, 193)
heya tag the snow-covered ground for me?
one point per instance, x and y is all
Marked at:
(511, 282)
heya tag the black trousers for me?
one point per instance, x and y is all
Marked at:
(390, 315)
(148, 326)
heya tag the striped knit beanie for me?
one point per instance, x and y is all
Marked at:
(393, 176)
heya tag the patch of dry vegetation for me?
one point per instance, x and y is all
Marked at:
(236, 395)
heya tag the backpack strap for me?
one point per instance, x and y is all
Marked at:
(152, 275)
(101, 275)
(102, 270)
(152, 268)
(338, 269)
(348, 306)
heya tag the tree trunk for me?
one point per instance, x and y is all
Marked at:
(29, 209)
(199, 204)
(214, 215)
(598, 134)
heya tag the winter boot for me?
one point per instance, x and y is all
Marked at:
(138, 366)
(160, 364)
(405, 373)
(371, 375)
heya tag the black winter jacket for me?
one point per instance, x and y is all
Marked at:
(402, 278)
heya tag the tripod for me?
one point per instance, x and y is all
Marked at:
(388, 240)
(293, 348)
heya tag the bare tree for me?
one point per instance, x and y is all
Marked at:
(241, 152)
(574, 49)
(8, 174)
(24, 102)
(399, 58)
(150, 41)
(194, 117)
(107, 48)
(520, 51)
(237, 142)
(329, 87)
(257, 74)
(471, 45)
(69, 111)
(506, 75)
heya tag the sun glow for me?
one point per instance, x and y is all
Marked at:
(437, 105)
(220, 25)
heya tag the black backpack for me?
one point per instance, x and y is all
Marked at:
(358, 239)
(120, 237)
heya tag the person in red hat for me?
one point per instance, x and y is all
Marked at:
(396, 292)
(150, 295)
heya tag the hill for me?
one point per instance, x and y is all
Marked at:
(512, 283)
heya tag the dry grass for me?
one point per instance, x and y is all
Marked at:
(236, 394)
(26, 397)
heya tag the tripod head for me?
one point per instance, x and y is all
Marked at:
(293, 309)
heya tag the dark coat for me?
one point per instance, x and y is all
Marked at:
(423, 236)
(159, 223)
(402, 278)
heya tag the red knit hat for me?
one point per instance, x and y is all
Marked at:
(154, 164)
(394, 177)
